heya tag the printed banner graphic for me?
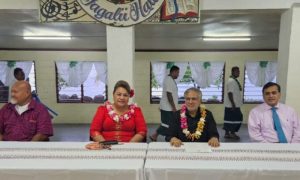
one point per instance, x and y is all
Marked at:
(121, 12)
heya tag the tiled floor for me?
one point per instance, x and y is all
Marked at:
(80, 132)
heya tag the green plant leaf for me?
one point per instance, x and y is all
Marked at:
(73, 64)
(11, 64)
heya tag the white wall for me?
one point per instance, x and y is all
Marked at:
(288, 57)
(284, 51)
(83, 113)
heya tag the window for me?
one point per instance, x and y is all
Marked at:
(7, 78)
(252, 93)
(213, 93)
(256, 75)
(81, 82)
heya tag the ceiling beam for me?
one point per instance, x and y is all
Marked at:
(246, 4)
(19, 4)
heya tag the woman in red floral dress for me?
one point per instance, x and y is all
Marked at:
(118, 120)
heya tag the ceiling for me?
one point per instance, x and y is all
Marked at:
(262, 26)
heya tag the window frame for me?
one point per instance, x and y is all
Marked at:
(79, 101)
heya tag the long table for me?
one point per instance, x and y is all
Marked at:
(70, 161)
(231, 161)
(140, 161)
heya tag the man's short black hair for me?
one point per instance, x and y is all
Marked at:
(174, 68)
(17, 70)
(269, 84)
(234, 69)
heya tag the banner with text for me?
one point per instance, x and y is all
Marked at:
(110, 12)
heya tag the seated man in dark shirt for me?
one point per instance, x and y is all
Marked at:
(195, 124)
(24, 119)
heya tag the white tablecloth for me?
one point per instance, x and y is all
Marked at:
(70, 161)
(231, 161)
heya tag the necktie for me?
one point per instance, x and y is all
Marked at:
(278, 128)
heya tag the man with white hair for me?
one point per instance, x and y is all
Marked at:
(195, 124)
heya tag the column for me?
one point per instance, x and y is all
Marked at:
(120, 56)
(289, 56)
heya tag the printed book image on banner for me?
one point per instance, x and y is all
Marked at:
(177, 12)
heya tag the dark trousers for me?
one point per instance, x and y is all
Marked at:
(232, 119)
(167, 117)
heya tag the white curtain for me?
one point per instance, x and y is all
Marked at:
(206, 73)
(3, 67)
(74, 72)
(101, 70)
(7, 73)
(259, 73)
(182, 69)
(159, 70)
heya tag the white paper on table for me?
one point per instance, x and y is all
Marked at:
(197, 148)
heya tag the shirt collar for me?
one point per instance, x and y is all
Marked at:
(24, 106)
(197, 114)
(30, 106)
(267, 107)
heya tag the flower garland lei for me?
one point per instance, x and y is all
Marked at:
(119, 118)
(200, 124)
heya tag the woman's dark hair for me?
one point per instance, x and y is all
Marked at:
(122, 84)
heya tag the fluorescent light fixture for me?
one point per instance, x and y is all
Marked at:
(48, 37)
(226, 38)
